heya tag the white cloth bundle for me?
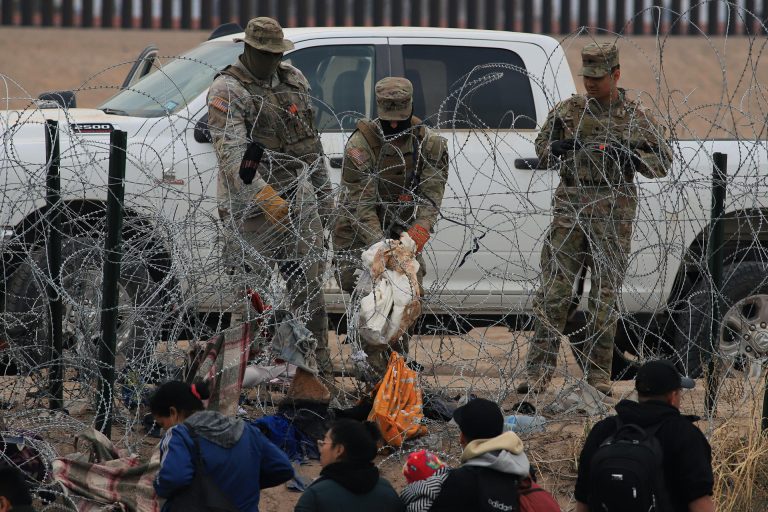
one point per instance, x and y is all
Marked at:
(392, 303)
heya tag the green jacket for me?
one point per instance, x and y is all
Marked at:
(623, 126)
(387, 187)
(277, 113)
(360, 492)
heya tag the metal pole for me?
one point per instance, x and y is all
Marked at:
(764, 422)
(715, 264)
(53, 253)
(109, 296)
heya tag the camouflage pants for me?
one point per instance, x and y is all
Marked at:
(602, 244)
(347, 262)
(254, 247)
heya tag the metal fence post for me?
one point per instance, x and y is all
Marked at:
(53, 254)
(715, 265)
(109, 296)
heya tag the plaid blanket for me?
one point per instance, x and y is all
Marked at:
(221, 363)
(105, 478)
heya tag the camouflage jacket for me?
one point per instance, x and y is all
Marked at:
(387, 187)
(276, 113)
(608, 137)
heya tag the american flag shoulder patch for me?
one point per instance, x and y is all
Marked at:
(359, 156)
(219, 103)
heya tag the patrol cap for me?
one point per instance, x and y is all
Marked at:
(265, 34)
(597, 59)
(394, 98)
(660, 377)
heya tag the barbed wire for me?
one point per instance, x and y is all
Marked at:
(483, 264)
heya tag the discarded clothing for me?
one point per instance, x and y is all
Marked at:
(292, 342)
(283, 434)
(103, 476)
(17, 447)
(392, 301)
(579, 397)
(221, 363)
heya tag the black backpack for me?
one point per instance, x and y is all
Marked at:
(627, 472)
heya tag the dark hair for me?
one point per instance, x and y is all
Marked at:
(359, 439)
(179, 395)
(614, 68)
(13, 486)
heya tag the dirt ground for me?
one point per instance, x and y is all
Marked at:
(705, 88)
(485, 362)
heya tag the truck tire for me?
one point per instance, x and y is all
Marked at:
(745, 293)
(26, 326)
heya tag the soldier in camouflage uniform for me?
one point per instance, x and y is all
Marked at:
(599, 141)
(392, 184)
(272, 176)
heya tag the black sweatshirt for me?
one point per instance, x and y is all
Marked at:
(687, 454)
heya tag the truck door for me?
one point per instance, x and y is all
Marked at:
(480, 95)
(342, 74)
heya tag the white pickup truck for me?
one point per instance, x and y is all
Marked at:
(486, 91)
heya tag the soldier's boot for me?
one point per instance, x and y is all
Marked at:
(598, 368)
(602, 386)
(534, 383)
(599, 378)
(541, 361)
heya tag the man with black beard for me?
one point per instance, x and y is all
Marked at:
(273, 188)
(392, 184)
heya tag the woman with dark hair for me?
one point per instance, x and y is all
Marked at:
(237, 457)
(349, 480)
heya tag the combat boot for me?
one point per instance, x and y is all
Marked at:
(533, 384)
(602, 386)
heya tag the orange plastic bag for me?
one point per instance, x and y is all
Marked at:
(398, 405)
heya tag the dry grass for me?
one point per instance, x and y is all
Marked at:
(740, 465)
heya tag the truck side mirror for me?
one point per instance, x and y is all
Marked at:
(57, 99)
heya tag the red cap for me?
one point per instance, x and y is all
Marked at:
(420, 465)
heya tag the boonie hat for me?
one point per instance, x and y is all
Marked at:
(479, 419)
(421, 465)
(659, 377)
(265, 34)
(597, 59)
(394, 98)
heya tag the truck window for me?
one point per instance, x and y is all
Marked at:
(483, 88)
(168, 89)
(342, 80)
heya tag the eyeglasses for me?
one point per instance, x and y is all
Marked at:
(322, 442)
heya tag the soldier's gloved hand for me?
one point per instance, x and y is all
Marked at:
(561, 147)
(621, 154)
(250, 162)
(419, 235)
(274, 206)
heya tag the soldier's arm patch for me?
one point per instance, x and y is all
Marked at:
(219, 103)
(358, 156)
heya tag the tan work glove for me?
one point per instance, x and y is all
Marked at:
(274, 206)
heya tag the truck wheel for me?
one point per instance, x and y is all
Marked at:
(744, 330)
(26, 307)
